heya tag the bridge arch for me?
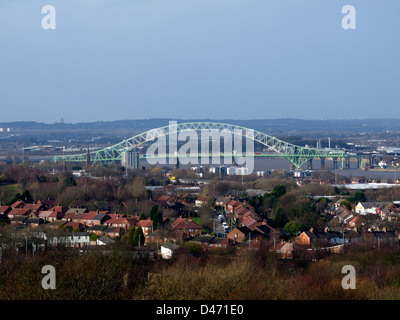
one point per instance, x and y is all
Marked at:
(297, 155)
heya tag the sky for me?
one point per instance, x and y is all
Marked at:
(198, 59)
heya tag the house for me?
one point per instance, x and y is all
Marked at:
(167, 250)
(230, 205)
(251, 219)
(370, 207)
(306, 237)
(240, 234)
(354, 223)
(338, 203)
(55, 224)
(286, 249)
(218, 242)
(383, 237)
(75, 225)
(147, 226)
(19, 212)
(212, 242)
(70, 239)
(240, 212)
(35, 207)
(97, 229)
(220, 201)
(164, 236)
(4, 210)
(34, 222)
(18, 220)
(55, 215)
(319, 237)
(125, 223)
(85, 218)
(114, 232)
(69, 215)
(100, 218)
(350, 236)
(18, 204)
(77, 210)
(186, 228)
(104, 241)
(202, 201)
(202, 240)
(45, 215)
(345, 217)
(116, 215)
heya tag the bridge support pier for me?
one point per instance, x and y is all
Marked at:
(292, 166)
(322, 163)
(309, 164)
(359, 162)
(347, 163)
(334, 163)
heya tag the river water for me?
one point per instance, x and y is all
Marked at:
(269, 164)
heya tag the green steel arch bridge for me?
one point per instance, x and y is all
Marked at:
(296, 155)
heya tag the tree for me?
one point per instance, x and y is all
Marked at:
(359, 196)
(69, 181)
(42, 179)
(138, 235)
(279, 190)
(280, 218)
(26, 196)
(93, 237)
(157, 219)
(205, 217)
(130, 235)
(292, 228)
(346, 204)
(153, 211)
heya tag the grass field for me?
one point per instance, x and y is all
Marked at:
(7, 192)
(197, 220)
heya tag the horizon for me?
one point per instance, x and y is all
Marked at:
(199, 119)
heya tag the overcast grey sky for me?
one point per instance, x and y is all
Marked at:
(187, 59)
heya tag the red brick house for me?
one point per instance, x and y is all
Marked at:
(147, 226)
(35, 207)
(125, 223)
(4, 210)
(19, 212)
(186, 228)
(240, 234)
(202, 201)
(18, 204)
(75, 225)
(114, 232)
